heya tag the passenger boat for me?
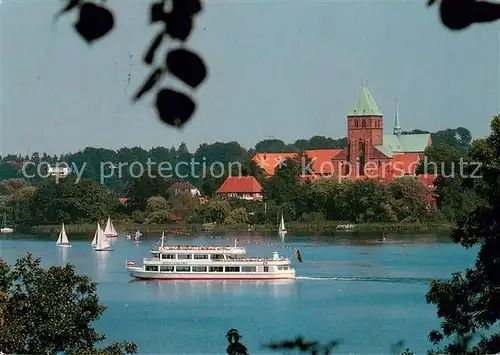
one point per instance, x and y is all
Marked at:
(183, 262)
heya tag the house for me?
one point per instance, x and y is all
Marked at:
(123, 200)
(242, 187)
(369, 152)
(59, 171)
(183, 186)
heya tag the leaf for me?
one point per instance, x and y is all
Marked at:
(94, 22)
(174, 108)
(153, 47)
(69, 6)
(149, 84)
(187, 66)
(158, 12)
(186, 7)
(178, 27)
(457, 14)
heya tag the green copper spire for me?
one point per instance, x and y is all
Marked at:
(397, 126)
(365, 105)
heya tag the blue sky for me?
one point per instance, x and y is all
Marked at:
(284, 69)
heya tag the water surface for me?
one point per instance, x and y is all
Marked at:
(370, 294)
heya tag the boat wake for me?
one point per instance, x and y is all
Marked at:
(402, 280)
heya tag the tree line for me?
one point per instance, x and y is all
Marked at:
(90, 159)
(47, 201)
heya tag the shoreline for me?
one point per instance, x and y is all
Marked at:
(328, 227)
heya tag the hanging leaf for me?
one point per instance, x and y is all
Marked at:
(178, 27)
(174, 108)
(152, 80)
(485, 11)
(158, 12)
(186, 7)
(457, 14)
(69, 6)
(155, 44)
(187, 66)
(94, 22)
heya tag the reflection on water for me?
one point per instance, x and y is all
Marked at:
(178, 290)
(102, 265)
(64, 255)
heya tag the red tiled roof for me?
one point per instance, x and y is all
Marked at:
(322, 160)
(240, 184)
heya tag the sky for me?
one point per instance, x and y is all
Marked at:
(286, 69)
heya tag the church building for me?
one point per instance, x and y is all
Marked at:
(369, 152)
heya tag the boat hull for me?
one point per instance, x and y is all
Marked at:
(111, 236)
(140, 273)
(6, 230)
(103, 249)
(64, 245)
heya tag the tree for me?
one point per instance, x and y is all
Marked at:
(47, 311)
(468, 303)
(184, 204)
(237, 216)
(158, 210)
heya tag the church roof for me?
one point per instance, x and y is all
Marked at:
(406, 143)
(365, 105)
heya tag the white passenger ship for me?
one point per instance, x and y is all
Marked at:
(181, 262)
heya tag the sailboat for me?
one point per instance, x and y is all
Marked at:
(281, 229)
(5, 229)
(110, 230)
(94, 241)
(102, 241)
(137, 236)
(62, 240)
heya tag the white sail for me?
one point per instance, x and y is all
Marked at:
(96, 235)
(137, 235)
(110, 230)
(113, 230)
(62, 240)
(282, 224)
(102, 241)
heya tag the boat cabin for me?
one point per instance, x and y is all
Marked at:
(162, 261)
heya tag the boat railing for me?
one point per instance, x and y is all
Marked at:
(189, 247)
(218, 260)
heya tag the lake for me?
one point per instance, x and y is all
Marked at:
(370, 294)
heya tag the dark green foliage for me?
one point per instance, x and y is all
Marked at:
(468, 303)
(46, 311)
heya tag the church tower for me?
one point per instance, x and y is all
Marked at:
(365, 126)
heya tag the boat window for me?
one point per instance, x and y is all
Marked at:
(166, 268)
(216, 269)
(248, 269)
(217, 256)
(199, 268)
(266, 268)
(283, 267)
(168, 256)
(232, 269)
(151, 268)
(184, 256)
(183, 268)
(200, 256)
